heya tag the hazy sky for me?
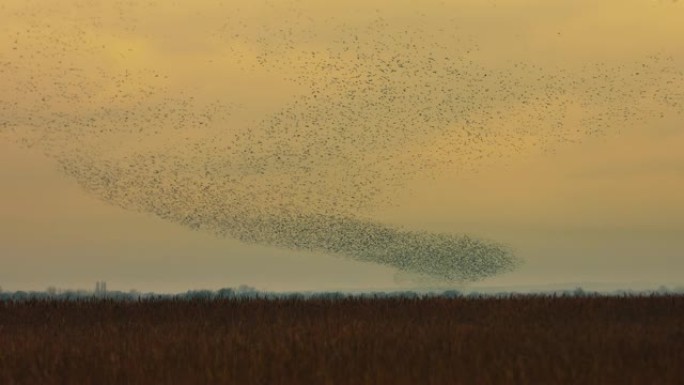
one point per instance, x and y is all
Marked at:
(576, 205)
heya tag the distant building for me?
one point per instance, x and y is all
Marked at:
(100, 288)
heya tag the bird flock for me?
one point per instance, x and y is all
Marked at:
(372, 107)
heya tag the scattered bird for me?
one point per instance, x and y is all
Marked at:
(379, 104)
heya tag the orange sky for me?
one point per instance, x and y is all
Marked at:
(604, 209)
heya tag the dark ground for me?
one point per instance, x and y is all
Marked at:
(515, 340)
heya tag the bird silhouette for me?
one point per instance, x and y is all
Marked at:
(376, 104)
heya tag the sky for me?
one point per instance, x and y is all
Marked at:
(554, 128)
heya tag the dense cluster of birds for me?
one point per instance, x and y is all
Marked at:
(375, 105)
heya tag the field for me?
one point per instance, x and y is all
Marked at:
(463, 340)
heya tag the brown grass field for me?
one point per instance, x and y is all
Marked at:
(394, 341)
